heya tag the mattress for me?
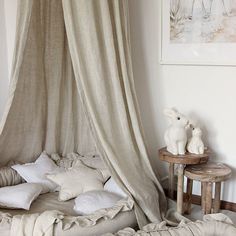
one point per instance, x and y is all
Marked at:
(49, 202)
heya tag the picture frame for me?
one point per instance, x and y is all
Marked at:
(205, 48)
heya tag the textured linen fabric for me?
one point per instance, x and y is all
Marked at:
(75, 159)
(9, 177)
(45, 202)
(77, 180)
(54, 222)
(123, 219)
(214, 224)
(49, 201)
(43, 110)
(61, 108)
(99, 45)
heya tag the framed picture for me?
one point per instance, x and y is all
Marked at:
(199, 32)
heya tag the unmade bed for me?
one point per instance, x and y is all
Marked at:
(72, 91)
(49, 201)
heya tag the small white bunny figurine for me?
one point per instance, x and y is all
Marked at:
(176, 133)
(195, 144)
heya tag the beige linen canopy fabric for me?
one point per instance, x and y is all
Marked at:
(100, 50)
(63, 108)
(43, 110)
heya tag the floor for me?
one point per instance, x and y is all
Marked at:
(196, 214)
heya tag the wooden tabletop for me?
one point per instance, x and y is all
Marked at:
(210, 172)
(186, 159)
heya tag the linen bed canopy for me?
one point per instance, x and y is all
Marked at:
(72, 90)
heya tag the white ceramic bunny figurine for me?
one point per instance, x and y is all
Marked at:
(195, 144)
(176, 133)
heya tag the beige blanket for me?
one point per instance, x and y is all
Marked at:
(43, 224)
(212, 225)
(35, 224)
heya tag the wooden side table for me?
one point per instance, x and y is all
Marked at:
(207, 174)
(181, 160)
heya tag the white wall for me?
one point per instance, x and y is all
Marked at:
(208, 93)
(7, 39)
(3, 59)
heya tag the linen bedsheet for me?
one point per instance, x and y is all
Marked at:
(50, 217)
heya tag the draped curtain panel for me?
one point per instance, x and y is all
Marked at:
(43, 111)
(72, 90)
(99, 44)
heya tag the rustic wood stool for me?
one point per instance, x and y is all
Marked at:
(181, 160)
(207, 174)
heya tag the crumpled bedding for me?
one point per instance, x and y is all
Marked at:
(9, 176)
(49, 217)
(44, 224)
(212, 225)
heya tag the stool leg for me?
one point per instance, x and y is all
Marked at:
(180, 188)
(203, 199)
(208, 197)
(217, 197)
(189, 196)
(171, 180)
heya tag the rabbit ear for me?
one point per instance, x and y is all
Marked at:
(170, 112)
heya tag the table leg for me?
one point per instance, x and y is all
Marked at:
(180, 188)
(208, 197)
(203, 199)
(217, 197)
(189, 196)
(171, 181)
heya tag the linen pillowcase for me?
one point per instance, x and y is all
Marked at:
(93, 161)
(19, 196)
(36, 172)
(8, 176)
(74, 159)
(77, 180)
(112, 186)
(97, 163)
(89, 202)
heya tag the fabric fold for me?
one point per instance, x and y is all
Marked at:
(44, 111)
(72, 90)
(98, 39)
(43, 224)
(214, 224)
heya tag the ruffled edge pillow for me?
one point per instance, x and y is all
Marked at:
(75, 159)
(77, 180)
(89, 202)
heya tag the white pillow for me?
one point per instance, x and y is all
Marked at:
(94, 162)
(97, 163)
(112, 186)
(36, 172)
(77, 180)
(19, 196)
(89, 202)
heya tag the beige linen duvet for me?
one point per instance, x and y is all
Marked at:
(212, 225)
